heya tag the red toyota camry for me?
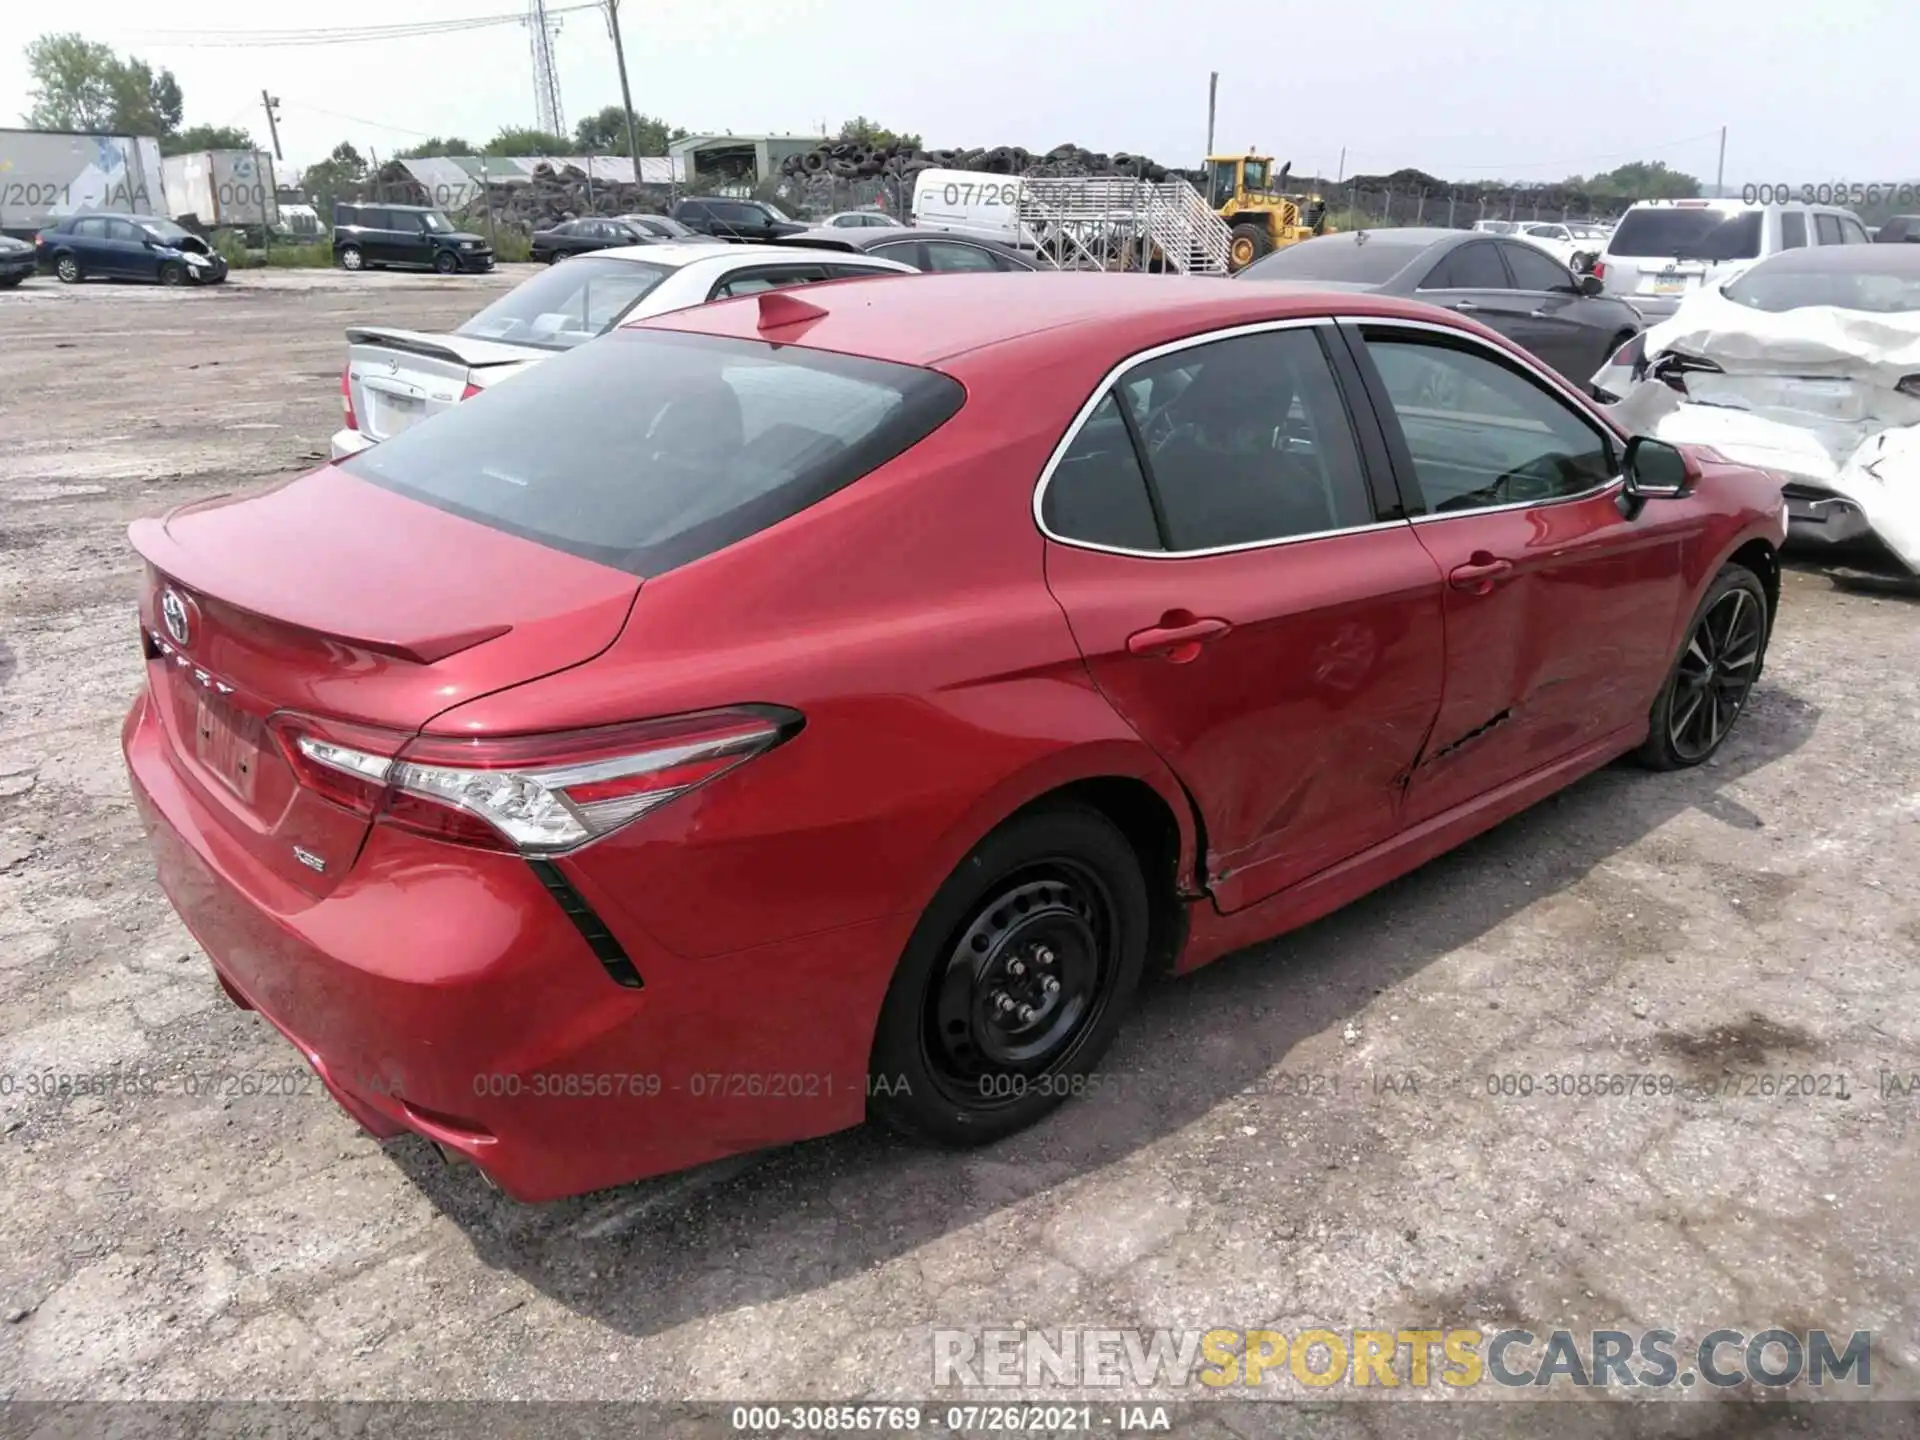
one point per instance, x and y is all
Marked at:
(828, 704)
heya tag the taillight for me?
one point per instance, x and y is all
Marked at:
(471, 391)
(346, 397)
(1599, 270)
(535, 794)
(1633, 355)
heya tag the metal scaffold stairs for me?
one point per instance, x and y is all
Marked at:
(1087, 223)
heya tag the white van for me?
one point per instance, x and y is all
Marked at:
(972, 202)
(1663, 250)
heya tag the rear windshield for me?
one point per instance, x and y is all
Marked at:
(654, 448)
(568, 303)
(1885, 291)
(1334, 258)
(1687, 235)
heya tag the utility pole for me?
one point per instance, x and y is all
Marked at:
(1213, 95)
(272, 102)
(1343, 168)
(626, 95)
(1720, 173)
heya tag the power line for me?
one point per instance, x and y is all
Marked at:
(1639, 152)
(337, 35)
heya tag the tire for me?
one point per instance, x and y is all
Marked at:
(173, 275)
(67, 267)
(1249, 243)
(445, 263)
(1718, 665)
(352, 259)
(1053, 898)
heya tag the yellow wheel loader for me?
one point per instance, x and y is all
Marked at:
(1246, 193)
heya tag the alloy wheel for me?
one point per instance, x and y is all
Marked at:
(1716, 674)
(1025, 979)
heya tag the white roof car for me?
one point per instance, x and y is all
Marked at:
(857, 219)
(394, 379)
(1663, 250)
(1563, 239)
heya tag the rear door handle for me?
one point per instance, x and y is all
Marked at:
(1480, 574)
(1464, 305)
(1179, 639)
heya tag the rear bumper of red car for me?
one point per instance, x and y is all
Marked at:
(442, 991)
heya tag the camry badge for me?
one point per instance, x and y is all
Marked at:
(174, 614)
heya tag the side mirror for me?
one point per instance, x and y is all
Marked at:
(1591, 284)
(1655, 470)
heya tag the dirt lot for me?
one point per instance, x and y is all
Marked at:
(1760, 916)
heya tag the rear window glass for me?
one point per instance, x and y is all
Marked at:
(1335, 257)
(566, 304)
(1687, 234)
(1890, 289)
(653, 449)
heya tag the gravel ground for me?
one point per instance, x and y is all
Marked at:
(1760, 916)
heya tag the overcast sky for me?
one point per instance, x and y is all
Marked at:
(1466, 89)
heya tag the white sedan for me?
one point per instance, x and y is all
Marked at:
(1563, 242)
(394, 379)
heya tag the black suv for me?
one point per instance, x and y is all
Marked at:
(734, 219)
(365, 235)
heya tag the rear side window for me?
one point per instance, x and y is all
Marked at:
(92, 228)
(1471, 267)
(1793, 230)
(1852, 232)
(652, 449)
(1827, 227)
(1098, 493)
(1253, 443)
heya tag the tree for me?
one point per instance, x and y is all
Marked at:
(452, 145)
(605, 133)
(207, 137)
(80, 84)
(517, 141)
(340, 176)
(867, 132)
(1638, 180)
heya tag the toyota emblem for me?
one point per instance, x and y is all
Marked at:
(176, 617)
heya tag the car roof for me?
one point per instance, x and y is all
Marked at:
(1843, 259)
(938, 317)
(852, 237)
(681, 253)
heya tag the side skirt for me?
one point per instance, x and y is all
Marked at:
(1212, 934)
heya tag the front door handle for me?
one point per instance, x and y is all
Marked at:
(1464, 305)
(1178, 636)
(1480, 574)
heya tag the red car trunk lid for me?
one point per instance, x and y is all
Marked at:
(333, 598)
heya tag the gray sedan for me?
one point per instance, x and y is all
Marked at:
(1505, 284)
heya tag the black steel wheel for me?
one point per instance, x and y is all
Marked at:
(1714, 674)
(1014, 982)
(445, 263)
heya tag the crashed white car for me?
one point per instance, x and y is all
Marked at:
(394, 379)
(1807, 364)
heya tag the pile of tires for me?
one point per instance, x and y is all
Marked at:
(859, 160)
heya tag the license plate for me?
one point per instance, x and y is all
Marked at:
(226, 742)
(397, 412)
(1674, 285)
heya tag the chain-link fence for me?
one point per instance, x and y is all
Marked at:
(1352, 207)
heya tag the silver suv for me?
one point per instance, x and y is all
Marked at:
(1663, 250)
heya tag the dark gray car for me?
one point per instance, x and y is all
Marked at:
(938, 251)
(1507, 285)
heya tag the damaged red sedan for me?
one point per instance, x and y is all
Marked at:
(828, 705)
